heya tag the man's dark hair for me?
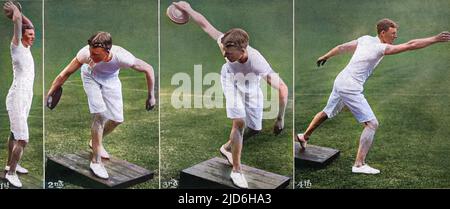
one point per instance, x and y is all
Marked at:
(385, 24)
(236, 37)
(101, 39)
(26, 27)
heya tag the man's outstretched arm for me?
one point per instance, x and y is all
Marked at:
(417, 43)
(199, 19)
(348, 47)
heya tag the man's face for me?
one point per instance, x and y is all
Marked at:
(233, 54)
(98, 54)
(389, 36)
(28, 37)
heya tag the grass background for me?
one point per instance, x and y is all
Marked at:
(409, 93)
(33, 157)
(192, 135)
(133, 25)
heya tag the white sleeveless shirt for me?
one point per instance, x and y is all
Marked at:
(23, 68)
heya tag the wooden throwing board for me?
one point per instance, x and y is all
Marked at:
(121, 173)
(215, 174)
(314, 156)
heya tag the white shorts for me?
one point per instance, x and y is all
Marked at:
(242, 103)
(18, 104)
(348, 93)
(104, 95)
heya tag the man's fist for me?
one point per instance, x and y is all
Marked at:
(443, 36)
(150, 103)
(278, 126)
(321, 61)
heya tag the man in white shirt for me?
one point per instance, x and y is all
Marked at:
(20, 94)
(348, 86)
(100, 62)
(240, 78)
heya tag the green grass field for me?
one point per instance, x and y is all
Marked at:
(133, 25)
(192, 135)
(409, 94)
(33, 157)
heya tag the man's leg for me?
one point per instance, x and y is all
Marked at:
(10, 148)
(318, 119)
(236, 139)
(106, 127)
(365, 141)
(109, 126)
(333, 107)
(97, 128)
(16, 155)
(249, 132)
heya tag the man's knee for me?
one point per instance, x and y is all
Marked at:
(98, 121)
(322, 115)
(372, 124)
(98, 117)
(21, 143)
(238, 123)
(115, 123)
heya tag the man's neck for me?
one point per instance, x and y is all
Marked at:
(109, 58)
(244, 58)
(381, 40)
(24, 43)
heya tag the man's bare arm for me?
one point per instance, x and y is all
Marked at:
(73, 66)
(417, 43)
(146, 68)
(26, 21)
(17, 20)
(348, 47)
(199, 19)
(277, 83)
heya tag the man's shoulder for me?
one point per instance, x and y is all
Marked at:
(116, 48)
(254, 54)
(119, 50)
(18, 46)
(365, 37)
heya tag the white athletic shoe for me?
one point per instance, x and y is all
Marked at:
(239, 180)
(99, 170)
(19, 169)
(103, 153)
(226, 154)
(301, 139)
(13, 179)
(365, 169)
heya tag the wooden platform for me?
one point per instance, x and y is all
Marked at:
(215, 174)
(314, 156)
(121, 173)
(29, 181)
